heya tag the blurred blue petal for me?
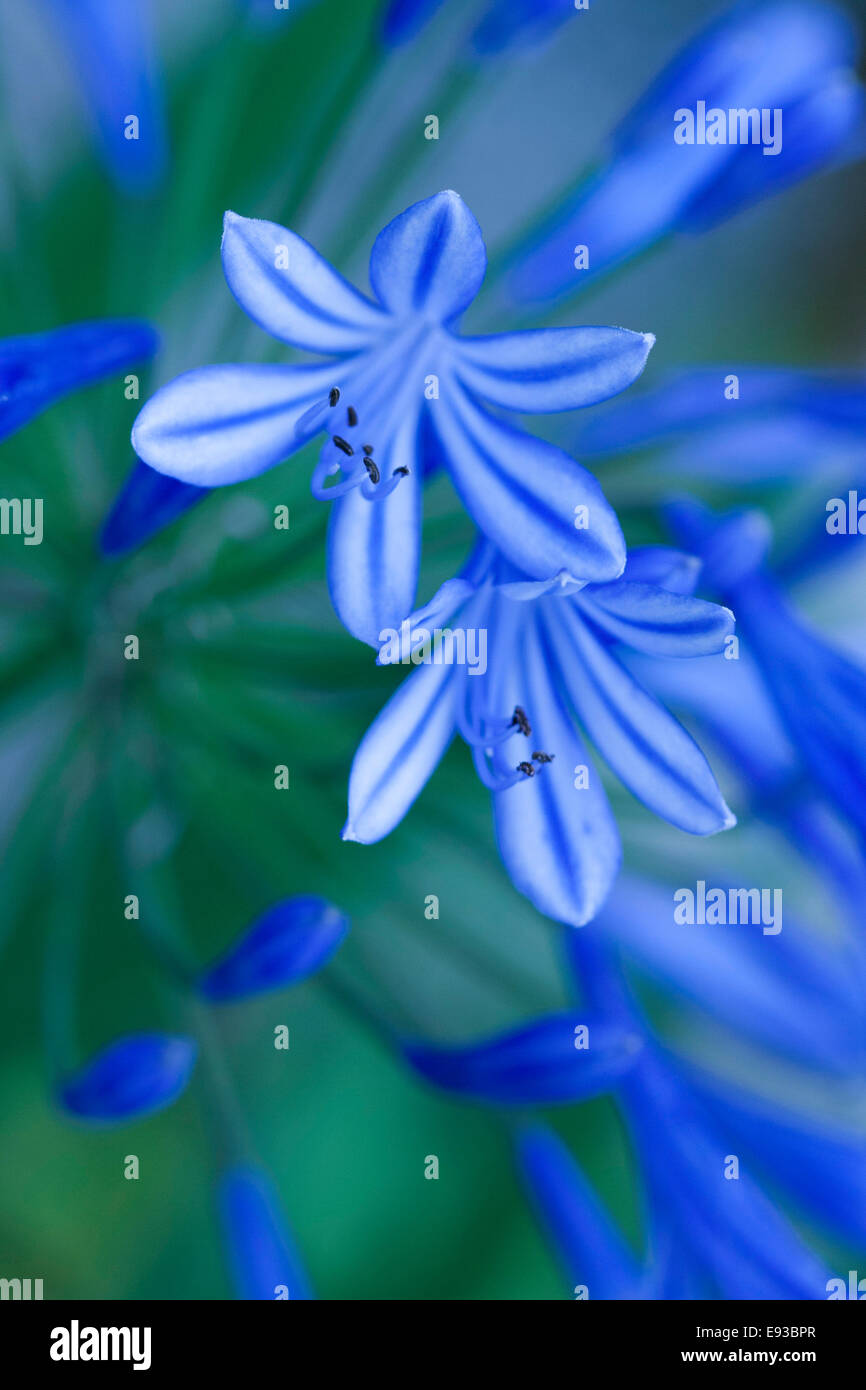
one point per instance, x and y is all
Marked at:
(796, 995)
(113, 49)
(406, 18)
(793, 409)
(539, 1064)
(670, 569)
(789, 55)
(730, 1225)
(829, 730)
(550, 369)
(38, 369)
(588, 1245)
(262, 1255)
(146, 503)
(512, 23)
(286, 944)
(820, 1164)
(132, 1077)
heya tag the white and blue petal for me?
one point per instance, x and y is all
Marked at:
(217, 425)
(550, 369)
(430, 261)
(400, 751)
(291, 291)
(644, 745)
(654, 620)
(556, 832)
(374, 545)
(538, 506)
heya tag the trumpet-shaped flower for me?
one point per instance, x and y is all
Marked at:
(396, 368)
(549, 656)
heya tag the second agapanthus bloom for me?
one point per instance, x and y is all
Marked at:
(399, 394)
(550, 655)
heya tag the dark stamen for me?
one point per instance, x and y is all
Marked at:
(543, 757)
(401, 472)
(334, 395)
(527, 769)
(341, 444)
(520, 720)
(368, 448)
(352, 415)
(373, 469)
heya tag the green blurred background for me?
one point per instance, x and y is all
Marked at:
(156, 777)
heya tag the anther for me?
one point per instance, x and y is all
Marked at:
(527, 769)
(368, 448)
(334, 395)
(543, 757)
(372, 468)
(341, 444)
(401, 472)
(520, 720)
(352, 416)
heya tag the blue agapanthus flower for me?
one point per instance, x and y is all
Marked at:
(398, 374)
(263, 1258)
(38, 368)
(131, 1078)
(795, 58)
(548, 654)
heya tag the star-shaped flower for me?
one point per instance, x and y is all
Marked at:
(400, 393)
(548, 651)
